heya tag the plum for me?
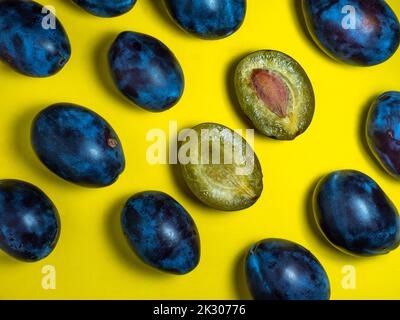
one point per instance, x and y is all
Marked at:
(228, 175)
(78, 145)
(278, 269)
(356, 32)
(161, 232)
(208, 19)
(355, 215)
(383, 131)
(275, 93)
(146, 71)
(29, 45)
(106, 8)
(29, 221)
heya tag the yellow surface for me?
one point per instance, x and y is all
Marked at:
(92, 259)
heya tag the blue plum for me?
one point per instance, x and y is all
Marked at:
(356, 32)
(161, 232)
(355, 215)
(208, 19)
(77, 145)
(383, 131)
(279, 269)
(28, 43)
(29, 221)
(146, 71)
(106, 8)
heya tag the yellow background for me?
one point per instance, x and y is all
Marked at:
(92, 259)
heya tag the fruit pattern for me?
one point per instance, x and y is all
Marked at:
(275, 93)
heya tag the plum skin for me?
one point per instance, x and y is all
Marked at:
(375, 39)
(383, 131)
(161, 232)
(25, 45)
(216, 21)
(355, 215)
(29, 221)
(106, 8)
(269, 267)
(146, 71)
(78, 145)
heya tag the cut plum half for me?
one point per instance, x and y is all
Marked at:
(221, 168)
(275, 93)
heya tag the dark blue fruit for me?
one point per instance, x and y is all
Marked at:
(106, 8)
(283, 270)
(161, 232)
(146, 71)
(29, 42)
(208, 19)
(355, 215)
(357, 32)
(77, 145)
(383, 131)
(29, 221)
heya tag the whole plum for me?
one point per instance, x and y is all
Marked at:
(27, 43)
(146, 71)
(29, 221)
(279, 269)
(78, 145)
(356, 32)
(355, 215)
(106, 8)
(161, 232)
(383, 131)
(208, 19)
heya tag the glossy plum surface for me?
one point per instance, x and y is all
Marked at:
(355, 215)
(29, 221)
(356, 32)
(383, 131)
(26, 45)
(283, 270)
(209, 19)
(77, 145)
(146, 71)
(106, 8)
(161, 232)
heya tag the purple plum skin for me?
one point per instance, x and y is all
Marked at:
(383, 131)
(374, 39)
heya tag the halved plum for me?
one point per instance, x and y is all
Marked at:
(220, 167)
(275, 93)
